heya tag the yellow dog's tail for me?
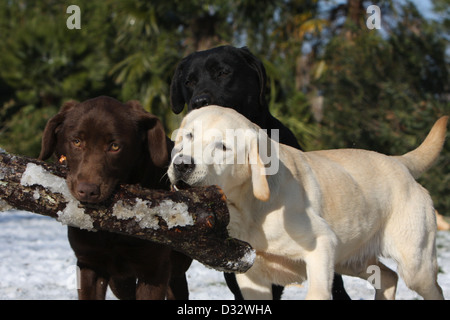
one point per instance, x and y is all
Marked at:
(422, 158)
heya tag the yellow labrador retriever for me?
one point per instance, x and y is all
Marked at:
(308, 214)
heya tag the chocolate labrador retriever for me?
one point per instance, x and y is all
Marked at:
(105, 143)
(235, 78)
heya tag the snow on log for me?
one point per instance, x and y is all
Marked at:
(192, 221)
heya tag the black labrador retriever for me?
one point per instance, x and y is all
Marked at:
(235, 78)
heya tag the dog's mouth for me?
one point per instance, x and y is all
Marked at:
(180, 185)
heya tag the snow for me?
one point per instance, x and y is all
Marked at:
(37, 175)
(36, 262)
(173, 213)
(73, 214)
(247, 260)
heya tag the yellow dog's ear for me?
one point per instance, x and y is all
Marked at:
(261, 189)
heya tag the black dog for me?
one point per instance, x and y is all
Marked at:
(228, 77)
(234, 78)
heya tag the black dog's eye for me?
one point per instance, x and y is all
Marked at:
(190, 83)
(223, 73)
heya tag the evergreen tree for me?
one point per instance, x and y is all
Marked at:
(333, 81)
(383, 92)
(43, 63)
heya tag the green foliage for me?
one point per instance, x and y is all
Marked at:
(44, 63)
(331, 80)
(385, 93)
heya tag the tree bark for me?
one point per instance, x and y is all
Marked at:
(192, 221)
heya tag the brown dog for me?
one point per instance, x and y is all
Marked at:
(105, 143)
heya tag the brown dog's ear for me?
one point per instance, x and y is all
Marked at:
(155, 134)
(157, 142)
(49, 140)
(260, 185)
(176, 88)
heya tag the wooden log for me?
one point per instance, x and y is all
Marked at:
(192, 221)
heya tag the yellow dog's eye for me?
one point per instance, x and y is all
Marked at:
(77, 143)
(114, 147)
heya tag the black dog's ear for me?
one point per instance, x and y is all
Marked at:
(155, 134)
(256, 65)
(49, 140)
(176, 88)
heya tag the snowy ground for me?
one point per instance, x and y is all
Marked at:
(36, 262)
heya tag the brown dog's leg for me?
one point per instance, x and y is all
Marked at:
(153, 276)
(123, 288)
(155, 289)
(92, 285)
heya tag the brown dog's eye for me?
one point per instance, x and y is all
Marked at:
(77, 143)
(114, 147)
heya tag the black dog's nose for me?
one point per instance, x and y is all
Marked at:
(184, 164)
(88, 192)
(201, 101)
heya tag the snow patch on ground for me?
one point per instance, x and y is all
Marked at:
(36, 262)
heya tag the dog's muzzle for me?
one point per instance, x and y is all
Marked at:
(200, 101)
(183, 166)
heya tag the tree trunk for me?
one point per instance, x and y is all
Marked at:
(190, 221)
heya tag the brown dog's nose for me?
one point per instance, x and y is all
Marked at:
(88, 192)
